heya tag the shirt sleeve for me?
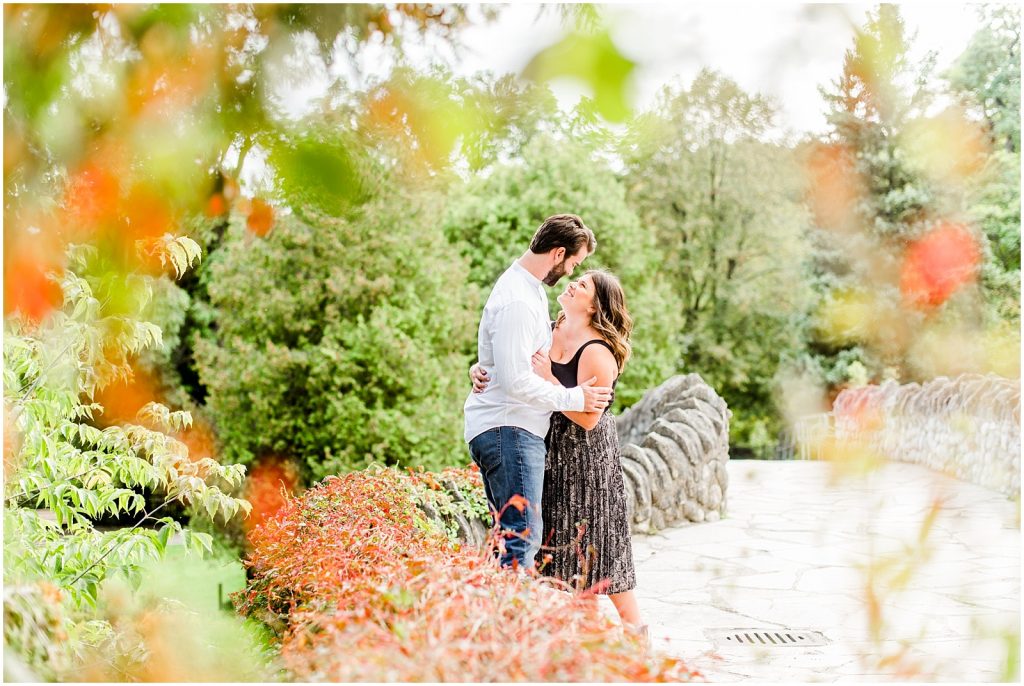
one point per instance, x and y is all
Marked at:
(513, 348)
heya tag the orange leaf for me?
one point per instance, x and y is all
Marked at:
(216, 206)
(30, 254)
(938, 264)
(261, 218)
(92, 194)
(519, 502)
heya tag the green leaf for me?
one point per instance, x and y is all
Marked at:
(93, 506)
(164, 534)
(594, 59)
(196, 542)
(211, 505)
(317, 171)
(91, 592)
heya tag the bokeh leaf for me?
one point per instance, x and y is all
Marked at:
(594, 59)
(317, 171)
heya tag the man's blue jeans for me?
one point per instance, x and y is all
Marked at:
(511, 461)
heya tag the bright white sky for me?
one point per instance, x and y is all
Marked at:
(784, 50)
(781, 49)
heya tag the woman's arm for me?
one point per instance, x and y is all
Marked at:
(598, 361)
(541, 364)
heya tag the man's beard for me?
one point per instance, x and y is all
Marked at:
(555, 275)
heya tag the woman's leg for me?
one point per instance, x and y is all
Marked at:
(628, 609)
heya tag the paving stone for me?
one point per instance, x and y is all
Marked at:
(793, 551)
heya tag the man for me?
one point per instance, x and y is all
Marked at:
(507, 422)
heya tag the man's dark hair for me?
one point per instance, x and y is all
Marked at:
(563, 231)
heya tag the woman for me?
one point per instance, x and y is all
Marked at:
(586, 532)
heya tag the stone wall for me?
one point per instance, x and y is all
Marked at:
(968, 427)
(675, 447)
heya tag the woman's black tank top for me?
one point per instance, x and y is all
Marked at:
(568, 373)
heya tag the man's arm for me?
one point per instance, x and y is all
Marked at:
(513, 348)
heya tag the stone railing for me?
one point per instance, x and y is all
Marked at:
(968, 427)
(675, 447)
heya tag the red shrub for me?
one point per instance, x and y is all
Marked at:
(375, 592)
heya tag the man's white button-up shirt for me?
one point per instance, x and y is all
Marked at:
(515, 324)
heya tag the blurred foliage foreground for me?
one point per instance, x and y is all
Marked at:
(205, 267)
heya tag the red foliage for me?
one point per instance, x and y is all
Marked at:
(834, 186)
(264, 485)
(216, 205)
(519, 502)
(938, 264)
(862, 408)
(199, 438)
(372, 592)
(33, 255)
(102, 203)
(147, 215)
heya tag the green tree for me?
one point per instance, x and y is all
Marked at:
(722, 207)
(995, 206)
(986, 79)
(878, 93)
(987, 75)
(898, 203)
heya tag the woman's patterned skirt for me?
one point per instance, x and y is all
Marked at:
(586, 532)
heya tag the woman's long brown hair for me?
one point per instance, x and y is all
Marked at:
(611, 318)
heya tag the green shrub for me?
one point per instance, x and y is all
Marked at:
(341, 342)
(64, 473)
(67, 465)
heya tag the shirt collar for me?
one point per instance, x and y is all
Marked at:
(534, 281)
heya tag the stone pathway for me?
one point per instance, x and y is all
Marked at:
(796, 551)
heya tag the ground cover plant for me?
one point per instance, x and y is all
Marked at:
(363, 586)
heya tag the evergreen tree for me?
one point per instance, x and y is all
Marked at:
(898, 251)
(868, 202)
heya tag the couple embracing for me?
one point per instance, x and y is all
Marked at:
(537, 422)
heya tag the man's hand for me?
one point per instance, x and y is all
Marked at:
(595, 398)
(479, 377)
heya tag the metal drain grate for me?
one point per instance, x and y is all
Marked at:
(767, 638)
